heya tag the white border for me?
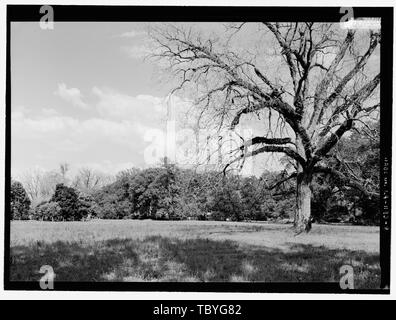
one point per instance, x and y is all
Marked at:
(175, 295)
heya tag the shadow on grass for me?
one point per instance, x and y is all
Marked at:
(168, 259)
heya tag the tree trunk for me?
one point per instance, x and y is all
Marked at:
(302, 218)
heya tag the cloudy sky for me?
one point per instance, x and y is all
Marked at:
(82, 94)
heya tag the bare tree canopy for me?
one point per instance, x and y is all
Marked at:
(309, 83)
(88, 180)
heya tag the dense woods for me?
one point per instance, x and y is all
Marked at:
(168, 192)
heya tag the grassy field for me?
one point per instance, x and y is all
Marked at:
(131, 250)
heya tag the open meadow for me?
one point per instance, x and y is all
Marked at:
(146, 250)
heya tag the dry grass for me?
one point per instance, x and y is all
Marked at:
(133, 250)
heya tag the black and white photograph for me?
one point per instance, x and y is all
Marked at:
(198, 149)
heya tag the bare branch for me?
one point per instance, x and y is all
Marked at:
(321, 88)
(333, 139)
(271, 148)
(354, 102)
(282, 181)
(345, 180)
(374, 39)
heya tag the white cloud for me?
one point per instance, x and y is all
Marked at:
(114, 136)
(51, 139)
(72, 95)
(71, 131)
(49, 112)
(142, 109)
(132, 34)
(137, 51)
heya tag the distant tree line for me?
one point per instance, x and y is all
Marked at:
(168, 192)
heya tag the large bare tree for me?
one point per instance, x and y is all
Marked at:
(315, 81)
